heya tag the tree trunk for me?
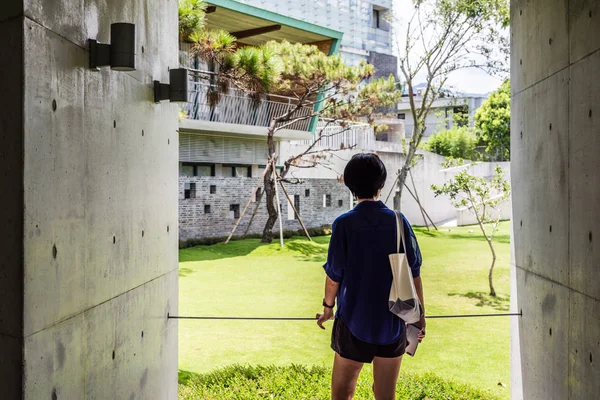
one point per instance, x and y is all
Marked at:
(492, 290)
(267, 236)
(403, 175)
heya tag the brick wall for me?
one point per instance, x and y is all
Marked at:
(195, 223)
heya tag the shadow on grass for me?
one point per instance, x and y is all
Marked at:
(307, 251)
(498, 303)
(183, 272)
(219, 251)
(476, 235)
(185, 376)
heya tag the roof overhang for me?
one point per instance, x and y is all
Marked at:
(257, 26)
(242, 131)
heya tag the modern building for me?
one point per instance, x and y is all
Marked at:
(223, 148)
(446, 112)
(365, 23)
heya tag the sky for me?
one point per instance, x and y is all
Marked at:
(470, 80)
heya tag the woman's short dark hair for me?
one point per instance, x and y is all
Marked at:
(364, 175)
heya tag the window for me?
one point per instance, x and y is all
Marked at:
(187, 170)
(213, 189)
(207, 209)
(297, 205)
(189, 191)
(376, 19)
(379, 18)
(205, 170)
(234, 211)
(326, 200)
(191, 169)
(307, 193)
(340, 203)
(401, 116)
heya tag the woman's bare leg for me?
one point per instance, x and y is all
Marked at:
(385, 377)
(344, 377)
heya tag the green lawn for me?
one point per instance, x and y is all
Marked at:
(245, 278)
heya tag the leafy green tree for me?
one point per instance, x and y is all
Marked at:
(318, 82)
(483, 198)
(492, 121)
(454, 143)
(191, 17)
(441, 37)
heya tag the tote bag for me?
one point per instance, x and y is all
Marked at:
(403, 300)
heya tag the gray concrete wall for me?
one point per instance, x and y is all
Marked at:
(92, 205)
(556, 192)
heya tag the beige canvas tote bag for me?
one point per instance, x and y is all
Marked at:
(403, 300)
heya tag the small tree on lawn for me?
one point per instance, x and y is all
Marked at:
(493, 123)
(321, 86)
(442, 37)
(483, 198)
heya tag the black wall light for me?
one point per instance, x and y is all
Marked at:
(119, 54)
(176, 90)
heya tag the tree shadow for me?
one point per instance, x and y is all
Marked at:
(307, 251)
(183, 272)
(185, 376)
(219, 251)
(498, 303)
(476, 235)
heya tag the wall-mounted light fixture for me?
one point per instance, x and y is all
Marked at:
(119, 54)
(176, 90)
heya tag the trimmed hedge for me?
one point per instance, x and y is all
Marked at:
(287, 234)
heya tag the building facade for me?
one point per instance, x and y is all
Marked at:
(365, 23)
(445, 113)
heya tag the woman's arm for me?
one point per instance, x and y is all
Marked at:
(421, 324)
(331, 290)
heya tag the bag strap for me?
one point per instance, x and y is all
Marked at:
(399, 231)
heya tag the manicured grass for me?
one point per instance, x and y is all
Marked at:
(245, 278)
(301, 382)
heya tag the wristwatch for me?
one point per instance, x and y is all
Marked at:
(327, 305)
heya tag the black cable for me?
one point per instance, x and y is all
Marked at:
(313, 319)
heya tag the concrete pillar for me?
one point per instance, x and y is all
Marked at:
(556, 196)
(88, 171)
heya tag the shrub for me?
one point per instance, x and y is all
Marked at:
(301, 382)
(287, 234)
(455, 143)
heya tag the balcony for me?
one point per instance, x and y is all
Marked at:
(237, 113)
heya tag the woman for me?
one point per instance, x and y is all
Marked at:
(359, 275)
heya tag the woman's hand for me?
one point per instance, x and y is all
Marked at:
(326, 316)
(421, 324)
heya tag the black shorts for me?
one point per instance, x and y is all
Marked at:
(349, 346)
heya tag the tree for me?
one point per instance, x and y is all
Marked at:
(454, 143)
(444, 36)
(321, 86)
(492, 121)
(191, 18)
(483, 198)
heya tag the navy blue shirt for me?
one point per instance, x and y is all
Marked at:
(361, 242)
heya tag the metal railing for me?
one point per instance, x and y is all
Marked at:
(336, 136)
(235, 107)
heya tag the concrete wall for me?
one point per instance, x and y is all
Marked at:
(426, 172)
(555, 146)
(90, 164)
